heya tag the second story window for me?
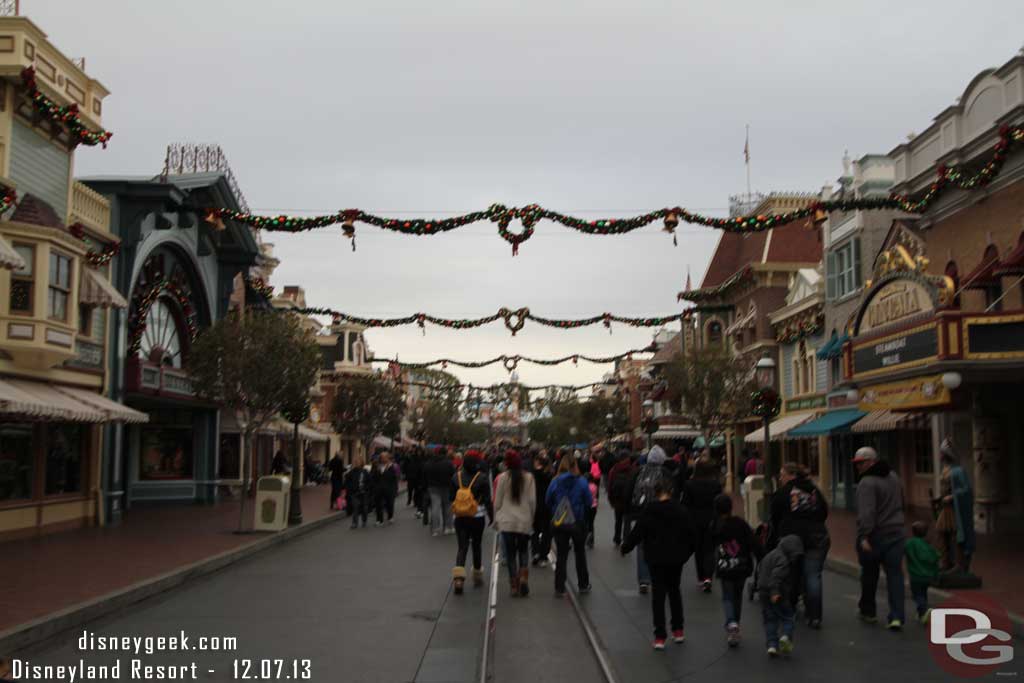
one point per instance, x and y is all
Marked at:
(85, 312)
(23, 281)
(843, 270)
(60, 286)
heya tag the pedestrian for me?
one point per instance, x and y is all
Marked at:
(595, 494)
(357, 491)
(618, 482)
(412, 466)
(541, 542)
(437, 474)
(384, 482)
(336, 466)
(923, 567)
(733, 541)
(664, 530)
(754, 465)
(642, 493)
(568, 498)
(472, 509)
(775, 578)
(698, 497)
(279, 465)
(880, 535)
(515, 502)
(606, 462)
(799, 508)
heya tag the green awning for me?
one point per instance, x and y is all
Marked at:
(830, 423)
(716, 442)
(833, 348)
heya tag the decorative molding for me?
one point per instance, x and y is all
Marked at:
(21, 331)
(59, 337)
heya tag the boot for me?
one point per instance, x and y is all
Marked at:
(514, 586)
(458, 579)
(478, 577)
(524, 582)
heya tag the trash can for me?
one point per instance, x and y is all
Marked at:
(753, 499)
(272, 495)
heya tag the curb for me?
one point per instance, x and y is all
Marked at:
(852, 570)
(38, 630)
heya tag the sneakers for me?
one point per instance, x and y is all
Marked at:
(678, 636)
(659, 644)
(583, 590)
(814, 623)
(644, 587)
(435, 534)
(773, 651)
(378, 524)
(706, 585)
(785, 645)
(895, 625)
(867, 618)
(733, 634)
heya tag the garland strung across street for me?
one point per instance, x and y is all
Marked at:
(502, 387)
(514, 320)
(68, 116)
(512, 362)
(529, 215)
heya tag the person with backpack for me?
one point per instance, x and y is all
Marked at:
(734, 545)
(641, 494)
(698, 496)
(618, 481)
(568, 498)
(799, 508)
(471, 506)
(514, 505)
(663, 529)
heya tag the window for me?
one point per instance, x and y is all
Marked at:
(714, 333)
(23, 281)
(837, 376)
(85, 320)
(807, 356)
(16, 461)
(60, 286)
(64, 461)
(161, 341)
(922, 443)
(843, 270)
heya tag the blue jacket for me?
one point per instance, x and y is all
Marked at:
(578, 491)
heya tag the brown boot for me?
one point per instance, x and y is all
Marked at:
(458, 579)
(524, 582)
(514, 586)
(478, 577)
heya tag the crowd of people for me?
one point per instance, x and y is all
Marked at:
(666, 510)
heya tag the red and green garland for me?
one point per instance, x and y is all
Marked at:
(145, 299)
(531, 214)
(740, 279)
(96, 259)
(67, 116)
(765, 403)
(514, 320)
(258, 285)
(512, 362)
(794, 332)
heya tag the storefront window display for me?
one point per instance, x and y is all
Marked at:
(16, 461)
(166, 453)
(64, 458)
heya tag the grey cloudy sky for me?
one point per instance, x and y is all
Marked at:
(599, 108)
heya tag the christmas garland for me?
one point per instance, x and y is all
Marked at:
(531, 214)
(68, 116)
(8, 199)
(512, 362)
(514, 320)
(99, 258)
(742, 278)
(501, 387)
(793, 332)
(258, 285)
(765, 403)
(140, 309)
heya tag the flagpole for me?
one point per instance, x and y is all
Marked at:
(746, 156)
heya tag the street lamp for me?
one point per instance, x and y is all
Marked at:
(609, 427)
(650, 425)
(765, 405)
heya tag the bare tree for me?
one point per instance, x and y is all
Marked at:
(711, 388)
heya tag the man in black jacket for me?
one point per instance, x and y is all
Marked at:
(437, 476)
(384, 481)
(541, 541)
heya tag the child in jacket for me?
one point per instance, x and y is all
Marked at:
(923, 567)
(775, 578)
(733, 541)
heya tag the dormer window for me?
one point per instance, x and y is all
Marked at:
(60, 286)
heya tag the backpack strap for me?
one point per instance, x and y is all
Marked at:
(459, 475)
(472, 481)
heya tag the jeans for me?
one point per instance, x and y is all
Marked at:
(777, 615)
(517, 551)
(919, 591)
(385, 502)
(577, 535)
(732, 599)
(813, 564)
(469, 531)
(617, 536)
(541, 540)
(885, 553)
(643, 572)
(440, 510)
(666, 578)
(359, 506)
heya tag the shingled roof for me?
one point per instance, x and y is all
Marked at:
(35, 211)
(796, 242)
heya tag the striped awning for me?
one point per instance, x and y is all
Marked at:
(96, 290)
(745, 321)
(9, 258)
(777, 429)
(114, 411)
(39, 401)
(887, 421)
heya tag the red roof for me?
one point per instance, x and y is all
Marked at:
(1012, 263)
(792, 243)
(35, 211)
(983, 274)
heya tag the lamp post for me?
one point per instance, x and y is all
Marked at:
(764, 373)
(609, 428)
(650, 425)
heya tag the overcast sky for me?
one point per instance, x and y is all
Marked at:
(596, 108)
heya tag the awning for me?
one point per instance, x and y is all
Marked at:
(716, 442)
(833, 348)
(115, 412)
(745, 321)
(829, 423)
(675, 432)
(9, 258)
(385, 442)
(1012, 263)
(97, 291)
(287, 430)
(887, 421)
(777, 429)
(983, 274)
(38, 400)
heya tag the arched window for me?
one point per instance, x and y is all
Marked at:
(163, 340)
(713, 334)
(953, 273)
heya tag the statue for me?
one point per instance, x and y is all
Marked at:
(955, 522)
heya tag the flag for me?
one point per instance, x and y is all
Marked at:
(746, 147)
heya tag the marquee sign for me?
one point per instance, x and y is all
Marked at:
(896, 351)
(910, 394)
(895, 301)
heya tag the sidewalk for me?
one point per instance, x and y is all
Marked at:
(45, 575)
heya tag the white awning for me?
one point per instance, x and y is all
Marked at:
(96, 290)
(778, 428)
(115, 412)
(30, 399)
(9, 258)
(676, 432)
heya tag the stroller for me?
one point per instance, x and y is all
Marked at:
(763, 543)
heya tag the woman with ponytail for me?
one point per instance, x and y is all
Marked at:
(515, 501)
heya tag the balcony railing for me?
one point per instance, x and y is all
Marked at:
(89, 208)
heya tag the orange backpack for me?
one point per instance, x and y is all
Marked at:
(465, 504)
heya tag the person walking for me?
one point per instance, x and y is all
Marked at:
(541, 541)
(412, 467)
(384, 482)
(357, 490)
(776, 576)
(568, 498)
(595, 495)
(665, 531)
(733, 541)
(799, 508)
(279, 465)
(619, 480)
(336, 466)
(515, 502)
(923, 567)
(699, 500)
(642, 493)
(438, 474)
(472, 509)
(880, 536)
